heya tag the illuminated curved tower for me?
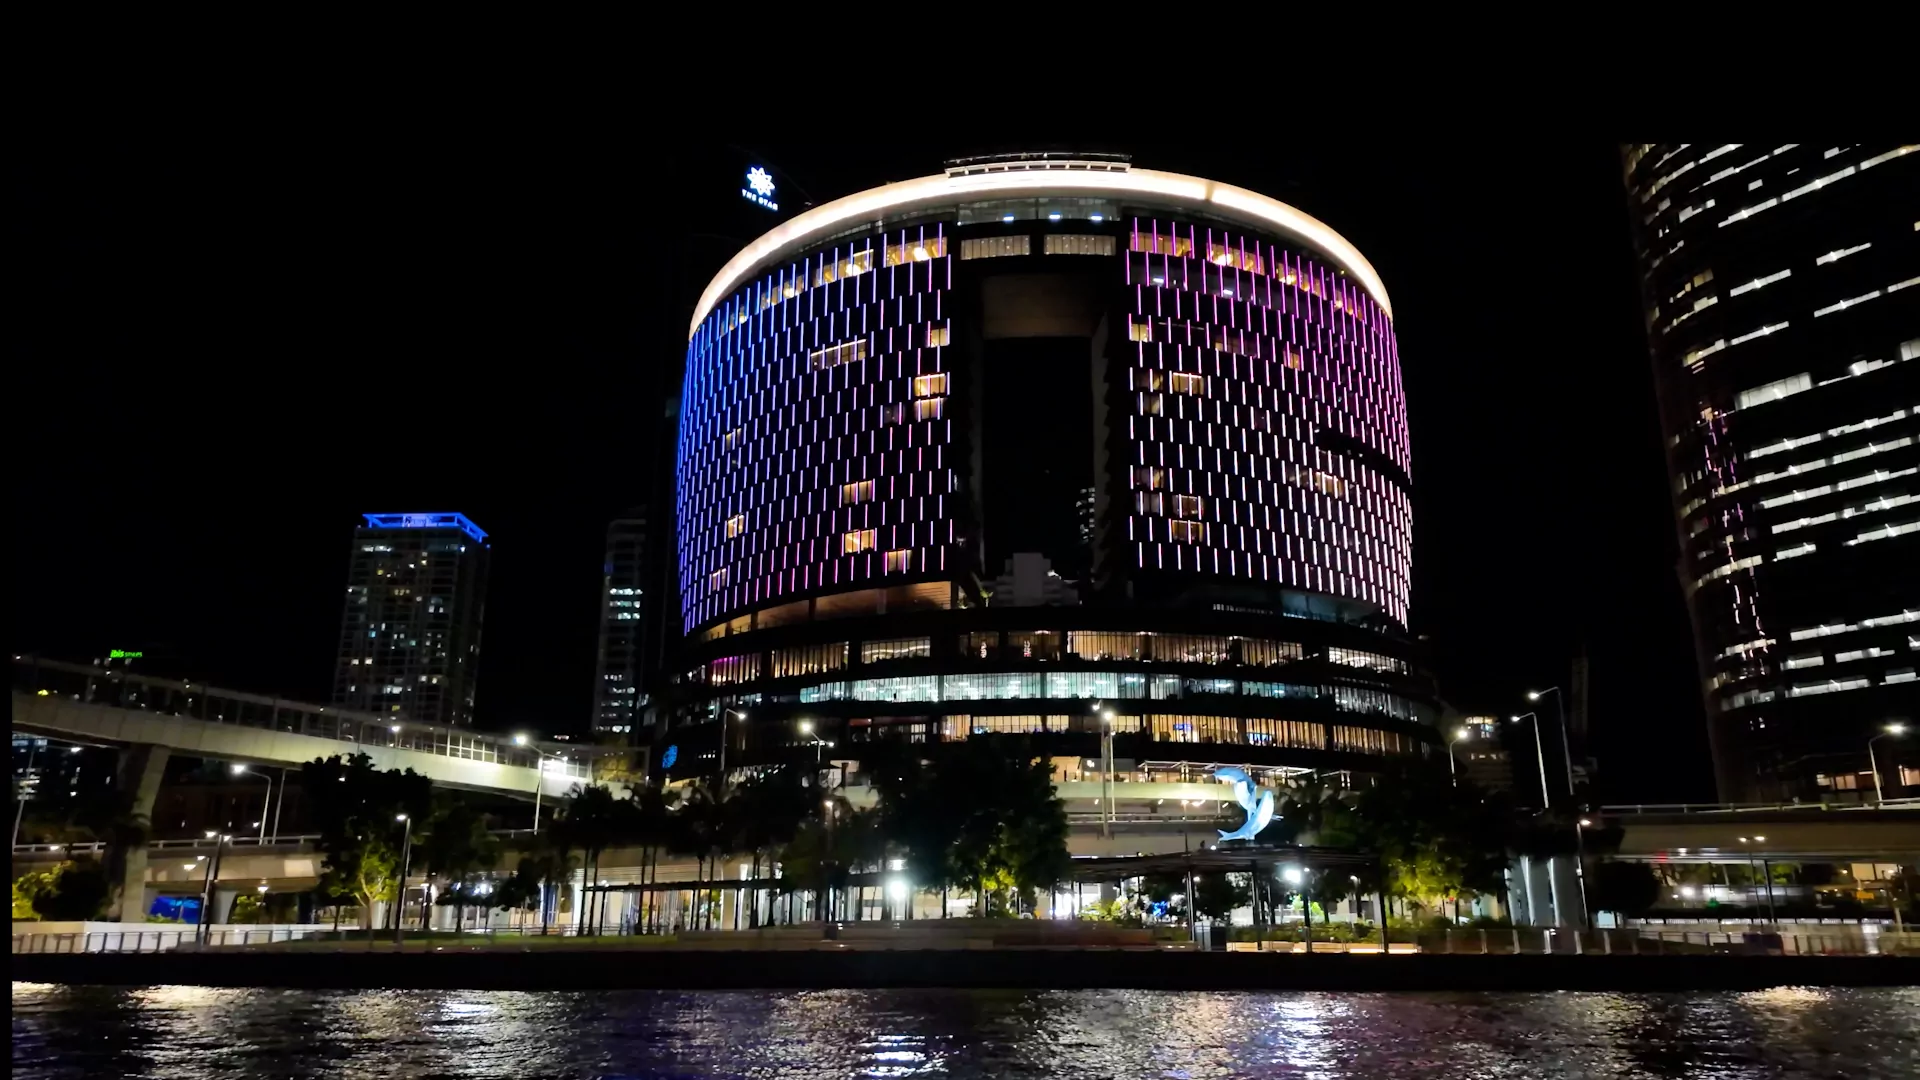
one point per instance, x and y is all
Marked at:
(965, 453)
(1779, 283)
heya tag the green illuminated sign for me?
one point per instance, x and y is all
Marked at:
(122, 654)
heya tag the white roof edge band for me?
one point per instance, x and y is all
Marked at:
(805, 230)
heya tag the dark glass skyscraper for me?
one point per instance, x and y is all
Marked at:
(410, 638)
(617, 691)
(1781, 301)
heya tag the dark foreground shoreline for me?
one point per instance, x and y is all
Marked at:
(709, 969)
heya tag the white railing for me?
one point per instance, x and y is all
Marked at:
(136, 937)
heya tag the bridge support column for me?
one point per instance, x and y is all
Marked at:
(140, 771)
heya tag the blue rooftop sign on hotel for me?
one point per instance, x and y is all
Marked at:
(759, 189)
(426, 521)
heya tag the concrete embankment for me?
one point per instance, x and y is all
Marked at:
(706, 969)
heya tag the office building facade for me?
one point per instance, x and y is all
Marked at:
(1784, 319)
(1163, 412)
(410, 636)
(619, 696)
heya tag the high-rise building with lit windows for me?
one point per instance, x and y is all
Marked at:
(1176, 403)
(1782, 293)
(410, 637)
(618, 694)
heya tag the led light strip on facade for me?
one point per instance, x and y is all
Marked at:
(927, 192)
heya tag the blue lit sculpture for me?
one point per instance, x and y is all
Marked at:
(1259, 810)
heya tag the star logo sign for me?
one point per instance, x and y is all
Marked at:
(761, 183)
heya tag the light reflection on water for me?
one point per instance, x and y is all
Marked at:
(188, 1033)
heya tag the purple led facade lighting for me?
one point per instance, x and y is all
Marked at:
(1257, 374)
(814, 436)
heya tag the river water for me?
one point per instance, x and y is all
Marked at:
(188, 1033)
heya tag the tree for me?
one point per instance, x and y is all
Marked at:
(1628, 889)
(543, 864)
(73, 891)
(357, 810)
(1217, 895)
(455, 844)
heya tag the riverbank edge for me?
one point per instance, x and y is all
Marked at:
(709, 969)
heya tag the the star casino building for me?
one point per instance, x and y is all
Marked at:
(1035, 440)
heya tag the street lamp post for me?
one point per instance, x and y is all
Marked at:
(1560, 711)
(22, 790)
(1873, 762)
(539, 775)
(724, 713)
(1106, 774)
(1453, 768)
(240, 770)
(406, 858)
(207, 887)
(1546, 800)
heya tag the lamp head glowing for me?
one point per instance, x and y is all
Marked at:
(1533, 695)
(1462, 733)
(806, 727)
(519, 738)
(238, 769)
(1896, 729)
(399, 817)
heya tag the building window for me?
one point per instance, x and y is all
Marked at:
(835, 355)
(1063, 244)
(1163, 244)
(939, 335)
(857, 541)
(1188, 532)
(929, 408)
(1151, 477)
(733, 669)
(899, 562)
(1139, 331)
(1186, 383)
(1256, 652)
(1099, 645)
(1187, 506)
(930, 385)
(912, 251)
(872, 652)
(736, 525)
(1146, 379)
(980, 644)
(809, 659)
(718, 579)
(994, 247)
(1033, 644)
(857, 492)
(1225, 255)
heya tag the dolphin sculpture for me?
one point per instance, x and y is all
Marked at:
(1259, 811)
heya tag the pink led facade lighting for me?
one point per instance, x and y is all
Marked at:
(1268, 425)
(815, 438)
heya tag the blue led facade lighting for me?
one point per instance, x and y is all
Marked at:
(426, 521)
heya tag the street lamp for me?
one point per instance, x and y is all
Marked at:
(213, 875)
(406, 857)
(1546, 800)
(240, 770)
(1892, 730)
(1453, 768)
(1560, 710)
(724, 713)
(1106, 772)
(539, 774)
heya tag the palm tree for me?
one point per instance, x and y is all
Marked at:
(592, 821)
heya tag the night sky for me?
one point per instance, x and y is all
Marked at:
(233, 347)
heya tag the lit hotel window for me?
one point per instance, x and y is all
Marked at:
(736, 525)
(899, 562)
(1192, 532)
(1150, 404)
(857, 541)
(857, 492)
(1152, 477)
(1077, 245)
(993, 247)
(939, 335)
(718, 579)
(922, 250)
(1162, 244)
(1187, 506)
(1147, 379)
(1140, 331)
(1185, 383)
(930, 385)
(1225, 255)
(929, 408)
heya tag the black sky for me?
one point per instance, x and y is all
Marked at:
(232, 349)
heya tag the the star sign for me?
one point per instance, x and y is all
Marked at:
(760, 181)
